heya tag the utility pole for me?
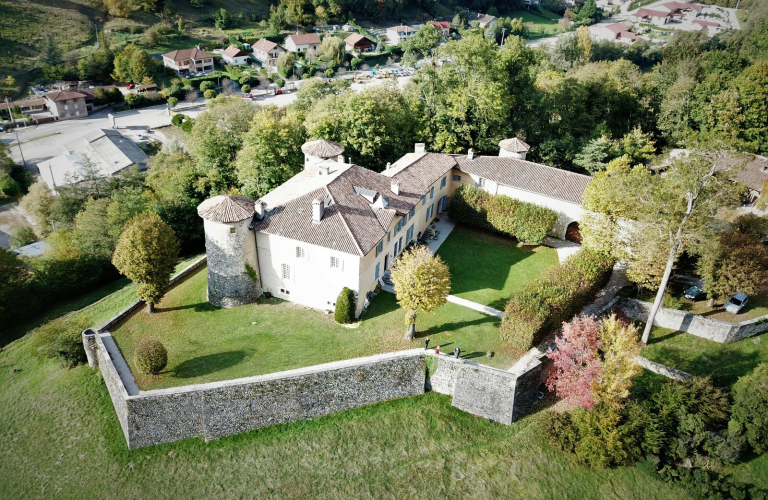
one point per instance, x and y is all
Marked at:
(503, 32)
(15, 131)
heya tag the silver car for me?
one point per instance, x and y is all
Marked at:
(736, 303)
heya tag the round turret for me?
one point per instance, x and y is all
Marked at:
(233, 264)
(513, 148)
(318, 151)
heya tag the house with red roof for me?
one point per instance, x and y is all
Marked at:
(267, 51)
(67, 104)
(192, 60)
(615, 32)
(302, 42)
(444, 27)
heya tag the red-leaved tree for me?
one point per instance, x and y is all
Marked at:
(576, 365)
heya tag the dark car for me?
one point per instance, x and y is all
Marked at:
(694, 293)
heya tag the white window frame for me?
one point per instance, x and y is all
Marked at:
(335, 262)
(285, 271)
(300, 253)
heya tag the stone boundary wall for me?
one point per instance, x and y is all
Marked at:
(191, 268)
(700, 326)
(664, 370)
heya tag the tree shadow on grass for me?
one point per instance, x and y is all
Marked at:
(199, 307)
(211, 363)
(454, 326)
(725, 363)
(662, 338)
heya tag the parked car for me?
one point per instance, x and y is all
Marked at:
(694, 293)
(141, 137)
(129, 86)
(736, 303)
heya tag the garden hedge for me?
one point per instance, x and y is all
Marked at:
(345, 306)
(527, 222)
(559, 293)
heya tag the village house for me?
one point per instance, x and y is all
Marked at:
(67, 104)
(101, 153)
(482, 20)
(651, 16)
(188, 61)
(616, 32)
(302, 43)
(358, 43)
(338, 225)
(267, 51)
(234, 56)
(397, 34)
(444, 27)
(25, 105)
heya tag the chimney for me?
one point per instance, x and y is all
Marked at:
(418, 147)
(389, 165)
(318, 210)
(340, 159)
(395, 186)
(471, 154)
(259, 206)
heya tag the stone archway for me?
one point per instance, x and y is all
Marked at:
(573, 233)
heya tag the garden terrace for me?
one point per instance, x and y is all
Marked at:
(207, 344)
(487, 268)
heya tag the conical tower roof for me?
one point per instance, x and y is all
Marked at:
(322, 148)
(226, 208)
(514, 145)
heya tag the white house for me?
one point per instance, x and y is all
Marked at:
(397, 34)
(234, 56)
(483, 20)
(302, 43)
(267, 51)
(615, 32)
(338, 225)
(652, 16)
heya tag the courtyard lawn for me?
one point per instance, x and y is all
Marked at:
(725, 363)
(207, 344)
(487, 268)
(60, 438)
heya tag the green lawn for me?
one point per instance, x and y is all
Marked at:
(488, 268)
(698, 356)
(539, 26)
(59, 438)
(208, 344)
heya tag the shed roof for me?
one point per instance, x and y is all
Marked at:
(226, 208)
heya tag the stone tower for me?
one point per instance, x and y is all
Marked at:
(513, 148)
(316, 152)
(233, 263)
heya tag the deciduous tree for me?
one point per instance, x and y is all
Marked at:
(422, 281)
(735, 262)
(576, 366)
(146, 253)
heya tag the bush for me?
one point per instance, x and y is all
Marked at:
(62, 339)
(750, 400)
(22, 237)
(150, 356)
(527, 222)
(330, 73)
(178, 119)
(245, 88)
(8, 186)
(209, 94)
(173, 101)
(559, 293)
(345, 306)
(207, 85)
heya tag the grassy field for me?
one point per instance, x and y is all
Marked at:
(725, 362)
(59, 438)
(276, 335)
(487, 268)
(539, 26)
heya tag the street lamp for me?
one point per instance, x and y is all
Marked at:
(15, 131)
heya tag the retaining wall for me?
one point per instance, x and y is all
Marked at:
(700, 326)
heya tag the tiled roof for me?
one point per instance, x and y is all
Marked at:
(417, 171)
(264, 45)
(483, 18)
(706, 23)
(226, 208)
(441, 25)
(355, 38)
(651, 13)
(24, 103)
(234, 51)
(681, 6)
(306, 39)
(616, 27)
(64, 95)
(403, 29)
(322, 148)
(514, 145)
(528, 176)
(193, 53)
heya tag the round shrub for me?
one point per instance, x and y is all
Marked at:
(330, 73)
(245, 88)
(8, 186)
(178, 119)
(345, 306)
(750, 400)
(209, 94)
(207, 85)
(173, 101)
(150, 356)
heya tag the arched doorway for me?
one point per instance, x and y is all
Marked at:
(572, 233)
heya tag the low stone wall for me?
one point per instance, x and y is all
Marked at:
(700, 326)
(191, 268)
(664, 370)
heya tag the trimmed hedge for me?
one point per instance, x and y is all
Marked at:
(345, 307)
(150, 356)
(559, 293)
(527, 222)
